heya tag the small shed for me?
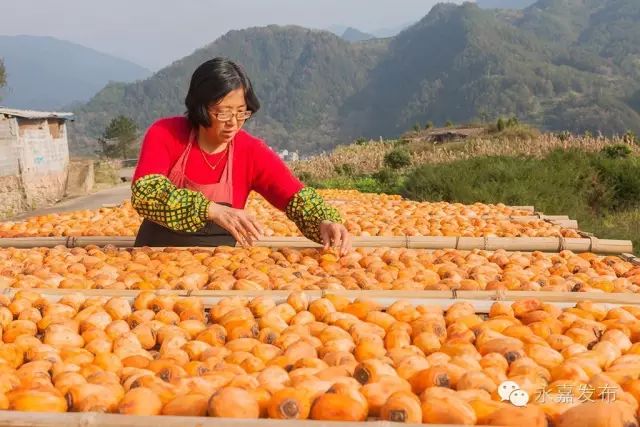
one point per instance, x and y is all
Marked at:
(34, 158)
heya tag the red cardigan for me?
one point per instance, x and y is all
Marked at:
(256, 167)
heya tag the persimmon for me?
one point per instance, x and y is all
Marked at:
(289, 403)
(233, 402)
(140, 401)
(403, 407)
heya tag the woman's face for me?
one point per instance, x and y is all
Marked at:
(233, 103)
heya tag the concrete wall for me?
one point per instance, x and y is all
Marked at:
(8, 146)
(12, 198)
(34, 163)
(81, 177)
(44, 157)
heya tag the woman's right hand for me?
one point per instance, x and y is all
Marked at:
(242, 226)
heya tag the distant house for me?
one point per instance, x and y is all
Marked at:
(34, 158)
(289, 156)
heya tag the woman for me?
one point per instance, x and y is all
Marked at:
(195, 173)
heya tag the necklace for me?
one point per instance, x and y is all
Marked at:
(213, 168)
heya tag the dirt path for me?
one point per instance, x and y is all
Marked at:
(113, 195)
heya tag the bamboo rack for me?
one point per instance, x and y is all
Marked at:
(523, 244)
(481, 301)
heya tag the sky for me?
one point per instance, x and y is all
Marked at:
(154, 33)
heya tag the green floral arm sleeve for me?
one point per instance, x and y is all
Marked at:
(307, 209)
(155, 198)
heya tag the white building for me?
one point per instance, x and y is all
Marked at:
(288, 156)
(34, 158)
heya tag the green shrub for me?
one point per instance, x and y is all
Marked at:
(617, 151)
(429, 125)
(397, 158)
(622, 178)
(448, 124)
(501, 125)
(513, 121)
(369, 185)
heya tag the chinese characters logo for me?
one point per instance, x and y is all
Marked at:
(563, 394)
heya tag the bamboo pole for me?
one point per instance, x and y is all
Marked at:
(117, 241)
(551, 297)
(523, 244)
(524, 208)
(384, 297)
(33, 242)
(95, 419)
(543, 244)
(570, 224)
(553, 217)
(525, 218)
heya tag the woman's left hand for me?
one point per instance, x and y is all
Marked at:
(334, 234)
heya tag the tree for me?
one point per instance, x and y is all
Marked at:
(397, 158)
(119, 138)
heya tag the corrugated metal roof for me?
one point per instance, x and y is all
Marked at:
(32, 114)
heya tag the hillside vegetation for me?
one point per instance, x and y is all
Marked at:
(593, 180)
(558, 64)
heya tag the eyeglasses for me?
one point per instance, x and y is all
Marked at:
(240, 116)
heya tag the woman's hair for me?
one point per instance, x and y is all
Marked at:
(211, 82)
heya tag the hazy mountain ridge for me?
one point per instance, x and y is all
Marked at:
(47, 73)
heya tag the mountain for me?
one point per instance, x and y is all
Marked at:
(559, 64)
(504, 4)
(301, 76)
(47, 73)
(354, 35)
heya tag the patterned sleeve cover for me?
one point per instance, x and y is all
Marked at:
(308, 210)
(155, 198)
